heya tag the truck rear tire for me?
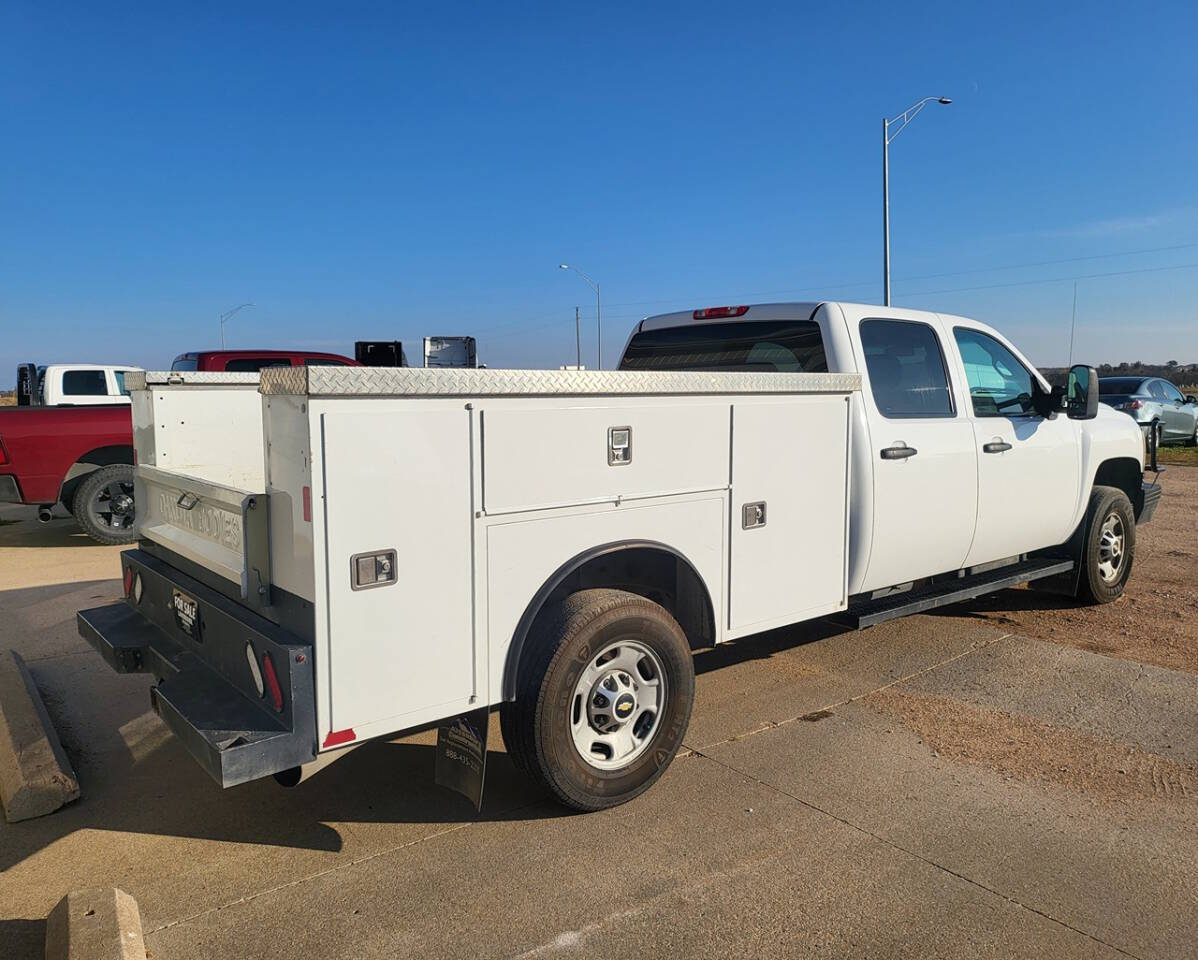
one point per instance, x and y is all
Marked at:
(603, 699)
(1109, 546)
(103, 504)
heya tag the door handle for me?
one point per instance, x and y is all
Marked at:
(900, 451)
(996, 446)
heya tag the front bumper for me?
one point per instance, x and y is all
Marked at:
(205, 692)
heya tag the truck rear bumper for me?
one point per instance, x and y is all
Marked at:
(201, 695)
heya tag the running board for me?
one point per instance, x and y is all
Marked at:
(866, 613)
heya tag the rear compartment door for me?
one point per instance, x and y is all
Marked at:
(402, 650)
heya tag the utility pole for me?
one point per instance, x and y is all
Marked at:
(225, 316)
(578, 337)
(1072, 325)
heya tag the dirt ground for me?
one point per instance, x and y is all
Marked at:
(1155, 621)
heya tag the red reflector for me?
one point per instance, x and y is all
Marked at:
(711, 313)
(338, 737)
(308, 504)
(273, 689)
(128, 580)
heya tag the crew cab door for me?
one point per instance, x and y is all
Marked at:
(1178, 419)
(1029, 467)
(924, 471)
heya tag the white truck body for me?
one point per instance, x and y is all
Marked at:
(77, 384)
(390, 534)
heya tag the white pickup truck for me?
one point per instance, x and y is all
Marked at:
(334, 555)
(71, 384)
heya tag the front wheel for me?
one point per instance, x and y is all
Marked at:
(603, 698)
(1109, 546)
(103, 504)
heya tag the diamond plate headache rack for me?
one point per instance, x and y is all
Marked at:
(141, 379)
(420, 382)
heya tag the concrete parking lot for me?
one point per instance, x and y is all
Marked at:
(1011, 777)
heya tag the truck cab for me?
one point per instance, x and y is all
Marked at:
(72, 384)
(252, 361)
(961, 452)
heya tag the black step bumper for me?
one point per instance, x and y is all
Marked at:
(206, 692)
(1150, 497)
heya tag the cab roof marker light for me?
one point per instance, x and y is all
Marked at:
(712, 313)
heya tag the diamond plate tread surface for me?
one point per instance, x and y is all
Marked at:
(140, 379)
(462, 382)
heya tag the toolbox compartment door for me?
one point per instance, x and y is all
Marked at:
(790, 460)
(401, 651)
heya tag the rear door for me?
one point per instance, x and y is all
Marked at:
(921, 450)
(1029, 467)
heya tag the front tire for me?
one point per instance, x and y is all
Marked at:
(1109, 547)
(103, 504)
(603, 699)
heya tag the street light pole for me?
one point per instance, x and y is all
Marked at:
(225, 316)
(578, 338)
(598, 308)
(888, 138)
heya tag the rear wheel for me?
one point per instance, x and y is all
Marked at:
(103, 504)
(1109, 547)
(603, 698)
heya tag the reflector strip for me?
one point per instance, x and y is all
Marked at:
(337, 737)
(308, 504)
(272, 683)
(128, 580)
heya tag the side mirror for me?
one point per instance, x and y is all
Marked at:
(1081, 393)
(1190, 398)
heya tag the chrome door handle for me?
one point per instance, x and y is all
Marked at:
(996, 446)
(899, 451)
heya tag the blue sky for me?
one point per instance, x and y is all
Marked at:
(392, 170)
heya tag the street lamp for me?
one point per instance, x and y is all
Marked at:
(598, 307)
(225, 316)
(888, 138)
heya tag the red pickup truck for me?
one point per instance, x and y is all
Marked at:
(82, 456)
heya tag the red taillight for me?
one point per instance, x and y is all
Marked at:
(1135, 405)
(712, 313)
(128, 580)
(272, 683)
(308, 504)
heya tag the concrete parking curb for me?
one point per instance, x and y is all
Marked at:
(35, 776)
(100, 923)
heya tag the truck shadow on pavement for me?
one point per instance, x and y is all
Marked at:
(56, 533)
(22, 938)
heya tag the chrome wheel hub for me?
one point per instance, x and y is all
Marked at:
(1112, 546)
(617, 700)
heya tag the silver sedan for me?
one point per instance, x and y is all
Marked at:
(1155, 404)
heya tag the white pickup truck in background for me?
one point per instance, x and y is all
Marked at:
(340, 554)
(71, 384)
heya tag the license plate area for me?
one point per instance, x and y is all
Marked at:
(187, 613)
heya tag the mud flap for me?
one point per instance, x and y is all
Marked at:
(462, 755)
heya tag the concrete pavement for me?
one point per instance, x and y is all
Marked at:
(931, 787)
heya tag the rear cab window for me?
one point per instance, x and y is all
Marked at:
(907, 373)
(254, 364)
(84, 383)
(776, 346)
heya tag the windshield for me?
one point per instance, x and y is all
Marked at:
(184, 362)
(787, 346)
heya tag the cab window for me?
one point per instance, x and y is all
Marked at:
(1172, 394)
(323, 362)
(999, 385)
(186, 363)
(254, 364)
(119, 376)
(907, 375)
(775, 346)
(84, 383)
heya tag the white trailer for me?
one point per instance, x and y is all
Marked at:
(425, 545)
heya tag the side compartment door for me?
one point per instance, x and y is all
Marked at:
(401, 649)
(789, 504)
(922, 450)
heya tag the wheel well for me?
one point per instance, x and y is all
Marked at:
(1124, 473)
(651, 570)
(88, 463)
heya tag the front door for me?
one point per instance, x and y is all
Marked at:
(1175, 415)
(1028, 466)
(921, 452)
